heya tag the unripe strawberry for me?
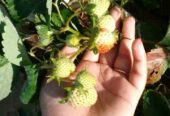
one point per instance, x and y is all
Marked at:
(85, 79)
(83, 98)
(63, 67)
(105, 41)
(107, 23)
(45, 39)
(101, 7)
(72, 40)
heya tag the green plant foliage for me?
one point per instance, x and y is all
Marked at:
(26, 7)
(13, 47)
(155, 104)
(151, 4)
(6, 76)
(44, 34)
(55, 19)
(49, 7)
(29, 110)
(30, 85)
(11, 8)
(152, 32)
(166, 39)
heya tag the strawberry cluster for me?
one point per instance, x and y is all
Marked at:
(98, 34)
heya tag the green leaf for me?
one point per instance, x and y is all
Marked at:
(29, 110)
(40, 19)
(89, 8)
(6, 76)
(13, 47)
(55, 19)
(166, 39)
(155, 104)
(49, 7)
(30, 85)
(66, 13)
(26, 7)
(11, 8)
(152, 32)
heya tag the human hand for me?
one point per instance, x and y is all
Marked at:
(120, 74)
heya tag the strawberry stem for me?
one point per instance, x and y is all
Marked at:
(74, 56)
(71, 17)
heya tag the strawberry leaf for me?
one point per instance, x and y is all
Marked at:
(166, 39)
(11, 8)
(30, 85)
(25, 8)
(49, 7)
(13, 47)
(55, 19)
(6, 76)
(155, 104)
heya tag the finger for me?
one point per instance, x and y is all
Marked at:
(123, 61)
(68, 51)
(90, 56)
(138, 73)
(115, 12)
(109, 58)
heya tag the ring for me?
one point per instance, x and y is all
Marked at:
(123, 37)
(126, 38)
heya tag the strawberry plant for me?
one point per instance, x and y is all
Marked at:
(33, 32)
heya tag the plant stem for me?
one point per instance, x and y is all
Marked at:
(46, 66)
(67, 5)
(84, 38)
(71, 17)
(73, 57)
(58, 10)
(73, 31)
(81, 6)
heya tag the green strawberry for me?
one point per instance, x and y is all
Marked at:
(85, 79)
(63, 67)
(72, 40)
(101, 7)
(107, 23)
(83, 98)
(105, 41)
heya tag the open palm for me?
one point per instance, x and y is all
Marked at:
(120, 75)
